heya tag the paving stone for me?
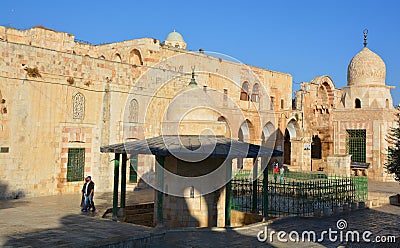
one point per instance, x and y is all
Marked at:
(56, 221)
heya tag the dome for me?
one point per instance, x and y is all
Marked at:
(366, 68)
(174, 36)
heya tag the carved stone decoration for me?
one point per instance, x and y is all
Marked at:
(133, 111)
(78, 106)
(366, 68)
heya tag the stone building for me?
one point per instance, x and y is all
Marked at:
(61, 99)
(352, 121)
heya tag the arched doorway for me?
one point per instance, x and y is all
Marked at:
(290, 133)
(287, 148)
(316, 147)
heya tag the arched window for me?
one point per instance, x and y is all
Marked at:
(357, 103)
(282, 103)
(244, 93)
(322, 96)
(255, 94)
(135, 57)
(387, 103)
(117, 57)
(102, 57)
(133, 111)
(78, 106)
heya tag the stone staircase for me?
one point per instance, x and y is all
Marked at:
(140, 214)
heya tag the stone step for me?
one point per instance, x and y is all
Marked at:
(129, 212)
(382, 197)
(146, 205)
(148, 223)
(140, 218)
(373, 203)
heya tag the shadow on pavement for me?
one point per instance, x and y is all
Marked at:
(78, 231)
(7, 196)
(378, 221)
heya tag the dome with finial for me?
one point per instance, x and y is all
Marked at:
(175, 39)
(174, 36)
(366, 68)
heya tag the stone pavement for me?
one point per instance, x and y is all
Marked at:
(383, 221)
(56, 221)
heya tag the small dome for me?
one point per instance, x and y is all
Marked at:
(366, 68)
(175, 36)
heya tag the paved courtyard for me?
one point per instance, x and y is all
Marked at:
(55, 221)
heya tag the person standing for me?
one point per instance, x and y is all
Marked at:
(276, 171)
(88, 193)
(281, 172)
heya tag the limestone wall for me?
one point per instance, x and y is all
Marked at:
(42, 71)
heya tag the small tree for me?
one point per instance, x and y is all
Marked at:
(393, 138)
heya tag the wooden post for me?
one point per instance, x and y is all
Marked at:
(123, 180)
(255, 186)
(160, 193)
(115, 192)
(228, 205)
(265, 190)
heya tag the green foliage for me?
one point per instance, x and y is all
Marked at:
(393, 138)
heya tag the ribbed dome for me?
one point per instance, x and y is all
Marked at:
(174, 36)
(366, 68)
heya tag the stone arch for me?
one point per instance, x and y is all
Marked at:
(227, 126)
(328, 86)
(322, 95)
(246, 131)
(325, 91)
(255, 93)
(135, 57)
(357, 103)
(244, 91)
(102, 57)
(245, 134)
(293, 128)
(78, 106)
(268, 135)
(291, 132)
(133, 111)
(117, 57)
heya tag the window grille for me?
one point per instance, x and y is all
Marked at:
(76, 164)
(356, 144)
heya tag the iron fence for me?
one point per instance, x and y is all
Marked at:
(295, 193)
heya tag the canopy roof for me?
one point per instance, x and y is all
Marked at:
(191, 146)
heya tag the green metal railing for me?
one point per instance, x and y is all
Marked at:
(295, 193)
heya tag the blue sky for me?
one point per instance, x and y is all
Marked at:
(304, 38)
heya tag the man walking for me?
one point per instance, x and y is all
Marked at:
(88, 193)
